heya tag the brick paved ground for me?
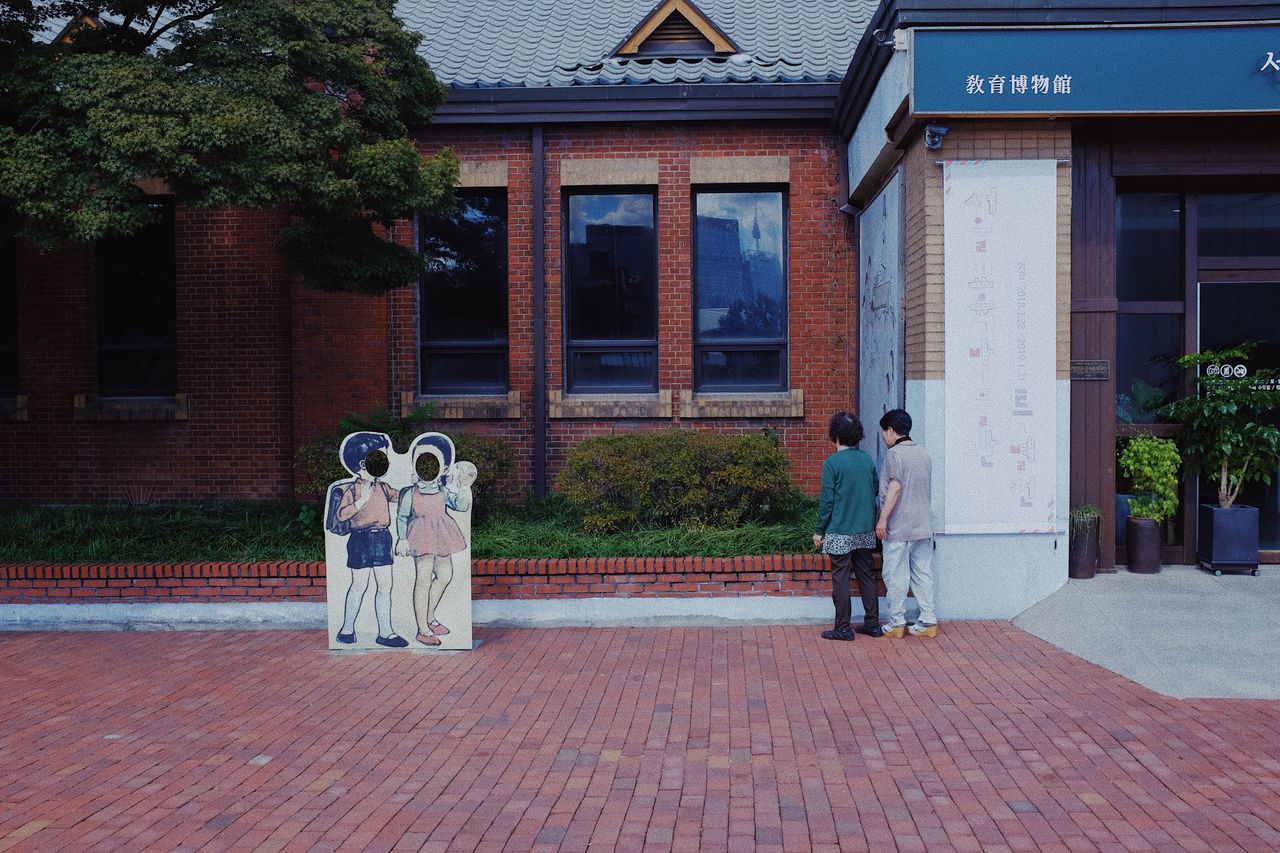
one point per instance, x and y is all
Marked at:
(707, 738)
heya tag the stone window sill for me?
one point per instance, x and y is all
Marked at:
(604, 406)
(89, 407)
(781, 404)
(16, 408)
(466, 406)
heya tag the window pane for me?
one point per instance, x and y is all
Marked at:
(464, 371)
(612, 268)
(1147, 347)
(1231, 313)
(1239, 224)
(464, 291)
(137, 373)
(614, 370)
(8, 317)
(739, 280)
(1149, 247)
(137, 310)
(737, 368)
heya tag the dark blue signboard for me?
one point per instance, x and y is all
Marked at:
(1096, 70)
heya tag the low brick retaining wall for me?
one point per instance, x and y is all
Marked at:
(779, 574)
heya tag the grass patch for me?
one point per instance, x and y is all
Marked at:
(251, 531)
(549, 528)
(230, 531)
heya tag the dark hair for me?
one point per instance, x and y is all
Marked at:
(845, 429)
(440, 442)
(897, 420)
(357, 446)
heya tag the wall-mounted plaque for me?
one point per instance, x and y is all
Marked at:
(1090, 370)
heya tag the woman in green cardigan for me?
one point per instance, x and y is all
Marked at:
(846, 529)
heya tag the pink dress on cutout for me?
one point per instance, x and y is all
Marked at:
(431, 530)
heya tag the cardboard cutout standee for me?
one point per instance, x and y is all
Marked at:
(402, 521)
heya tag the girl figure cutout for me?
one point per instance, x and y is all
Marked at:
(367, 507)
(429, 534)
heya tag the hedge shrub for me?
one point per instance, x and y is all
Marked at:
(673, 478)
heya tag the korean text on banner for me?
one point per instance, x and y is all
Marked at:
(1000, 270)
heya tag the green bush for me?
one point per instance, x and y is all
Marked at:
(1152, 465)
(495, 463)
(319, 465)
(674, 478)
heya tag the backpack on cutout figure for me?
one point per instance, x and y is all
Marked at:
(331, 522)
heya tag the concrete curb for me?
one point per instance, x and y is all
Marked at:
(542, 613)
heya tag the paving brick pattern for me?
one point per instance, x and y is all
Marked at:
(685, 739)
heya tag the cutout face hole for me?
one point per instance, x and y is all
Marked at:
(427, 466)
(377, 463)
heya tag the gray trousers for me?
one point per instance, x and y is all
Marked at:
(909, 563)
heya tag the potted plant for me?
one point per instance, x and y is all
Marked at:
(1082, 562)
(1152, 465)
(1223, 437)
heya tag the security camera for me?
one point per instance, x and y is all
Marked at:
(933, 135)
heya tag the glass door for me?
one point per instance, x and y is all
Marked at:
(1237, 306)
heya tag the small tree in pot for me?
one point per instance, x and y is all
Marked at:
(1152, 464)
(1223, 437)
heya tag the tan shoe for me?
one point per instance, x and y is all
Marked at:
(897, 632)
(919, 629)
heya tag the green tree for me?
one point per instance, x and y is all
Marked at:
(1224, 429)
(232, 103)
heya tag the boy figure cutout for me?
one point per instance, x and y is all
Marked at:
(365, 509)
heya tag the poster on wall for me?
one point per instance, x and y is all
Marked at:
(398, 545)
(880, 322)
(1000, 271)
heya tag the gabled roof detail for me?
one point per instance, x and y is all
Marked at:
(672, 24)
(553, 43)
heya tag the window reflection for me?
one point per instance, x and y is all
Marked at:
(137, 310)
(740, 289)
(1239, 224)
(463, 304)
(1147, 374)
(8, 317)
(1149, 247)
(611, 267)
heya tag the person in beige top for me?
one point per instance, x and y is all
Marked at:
(906, 527)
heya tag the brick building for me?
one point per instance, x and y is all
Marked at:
(1057, 202)
(735, 216)
(600, 159)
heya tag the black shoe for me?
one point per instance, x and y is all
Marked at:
(393, 642)
(346, 638)
(833, 634)
(870, 630)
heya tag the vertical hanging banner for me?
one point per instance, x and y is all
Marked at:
(880, 330)
(1000, 272)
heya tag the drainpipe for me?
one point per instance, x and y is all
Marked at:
(539, 318)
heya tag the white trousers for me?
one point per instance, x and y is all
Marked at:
(909, 562)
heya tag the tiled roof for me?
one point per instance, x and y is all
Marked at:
(535, 43)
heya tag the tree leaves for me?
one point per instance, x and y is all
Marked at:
(1222, 432)
(232, 103)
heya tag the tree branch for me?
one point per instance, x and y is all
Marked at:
(194, 16)
(159, 12)
(1240, 483)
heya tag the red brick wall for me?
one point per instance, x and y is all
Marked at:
(623, 577)
(821, 273)
(233, 365)
(267, 365)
